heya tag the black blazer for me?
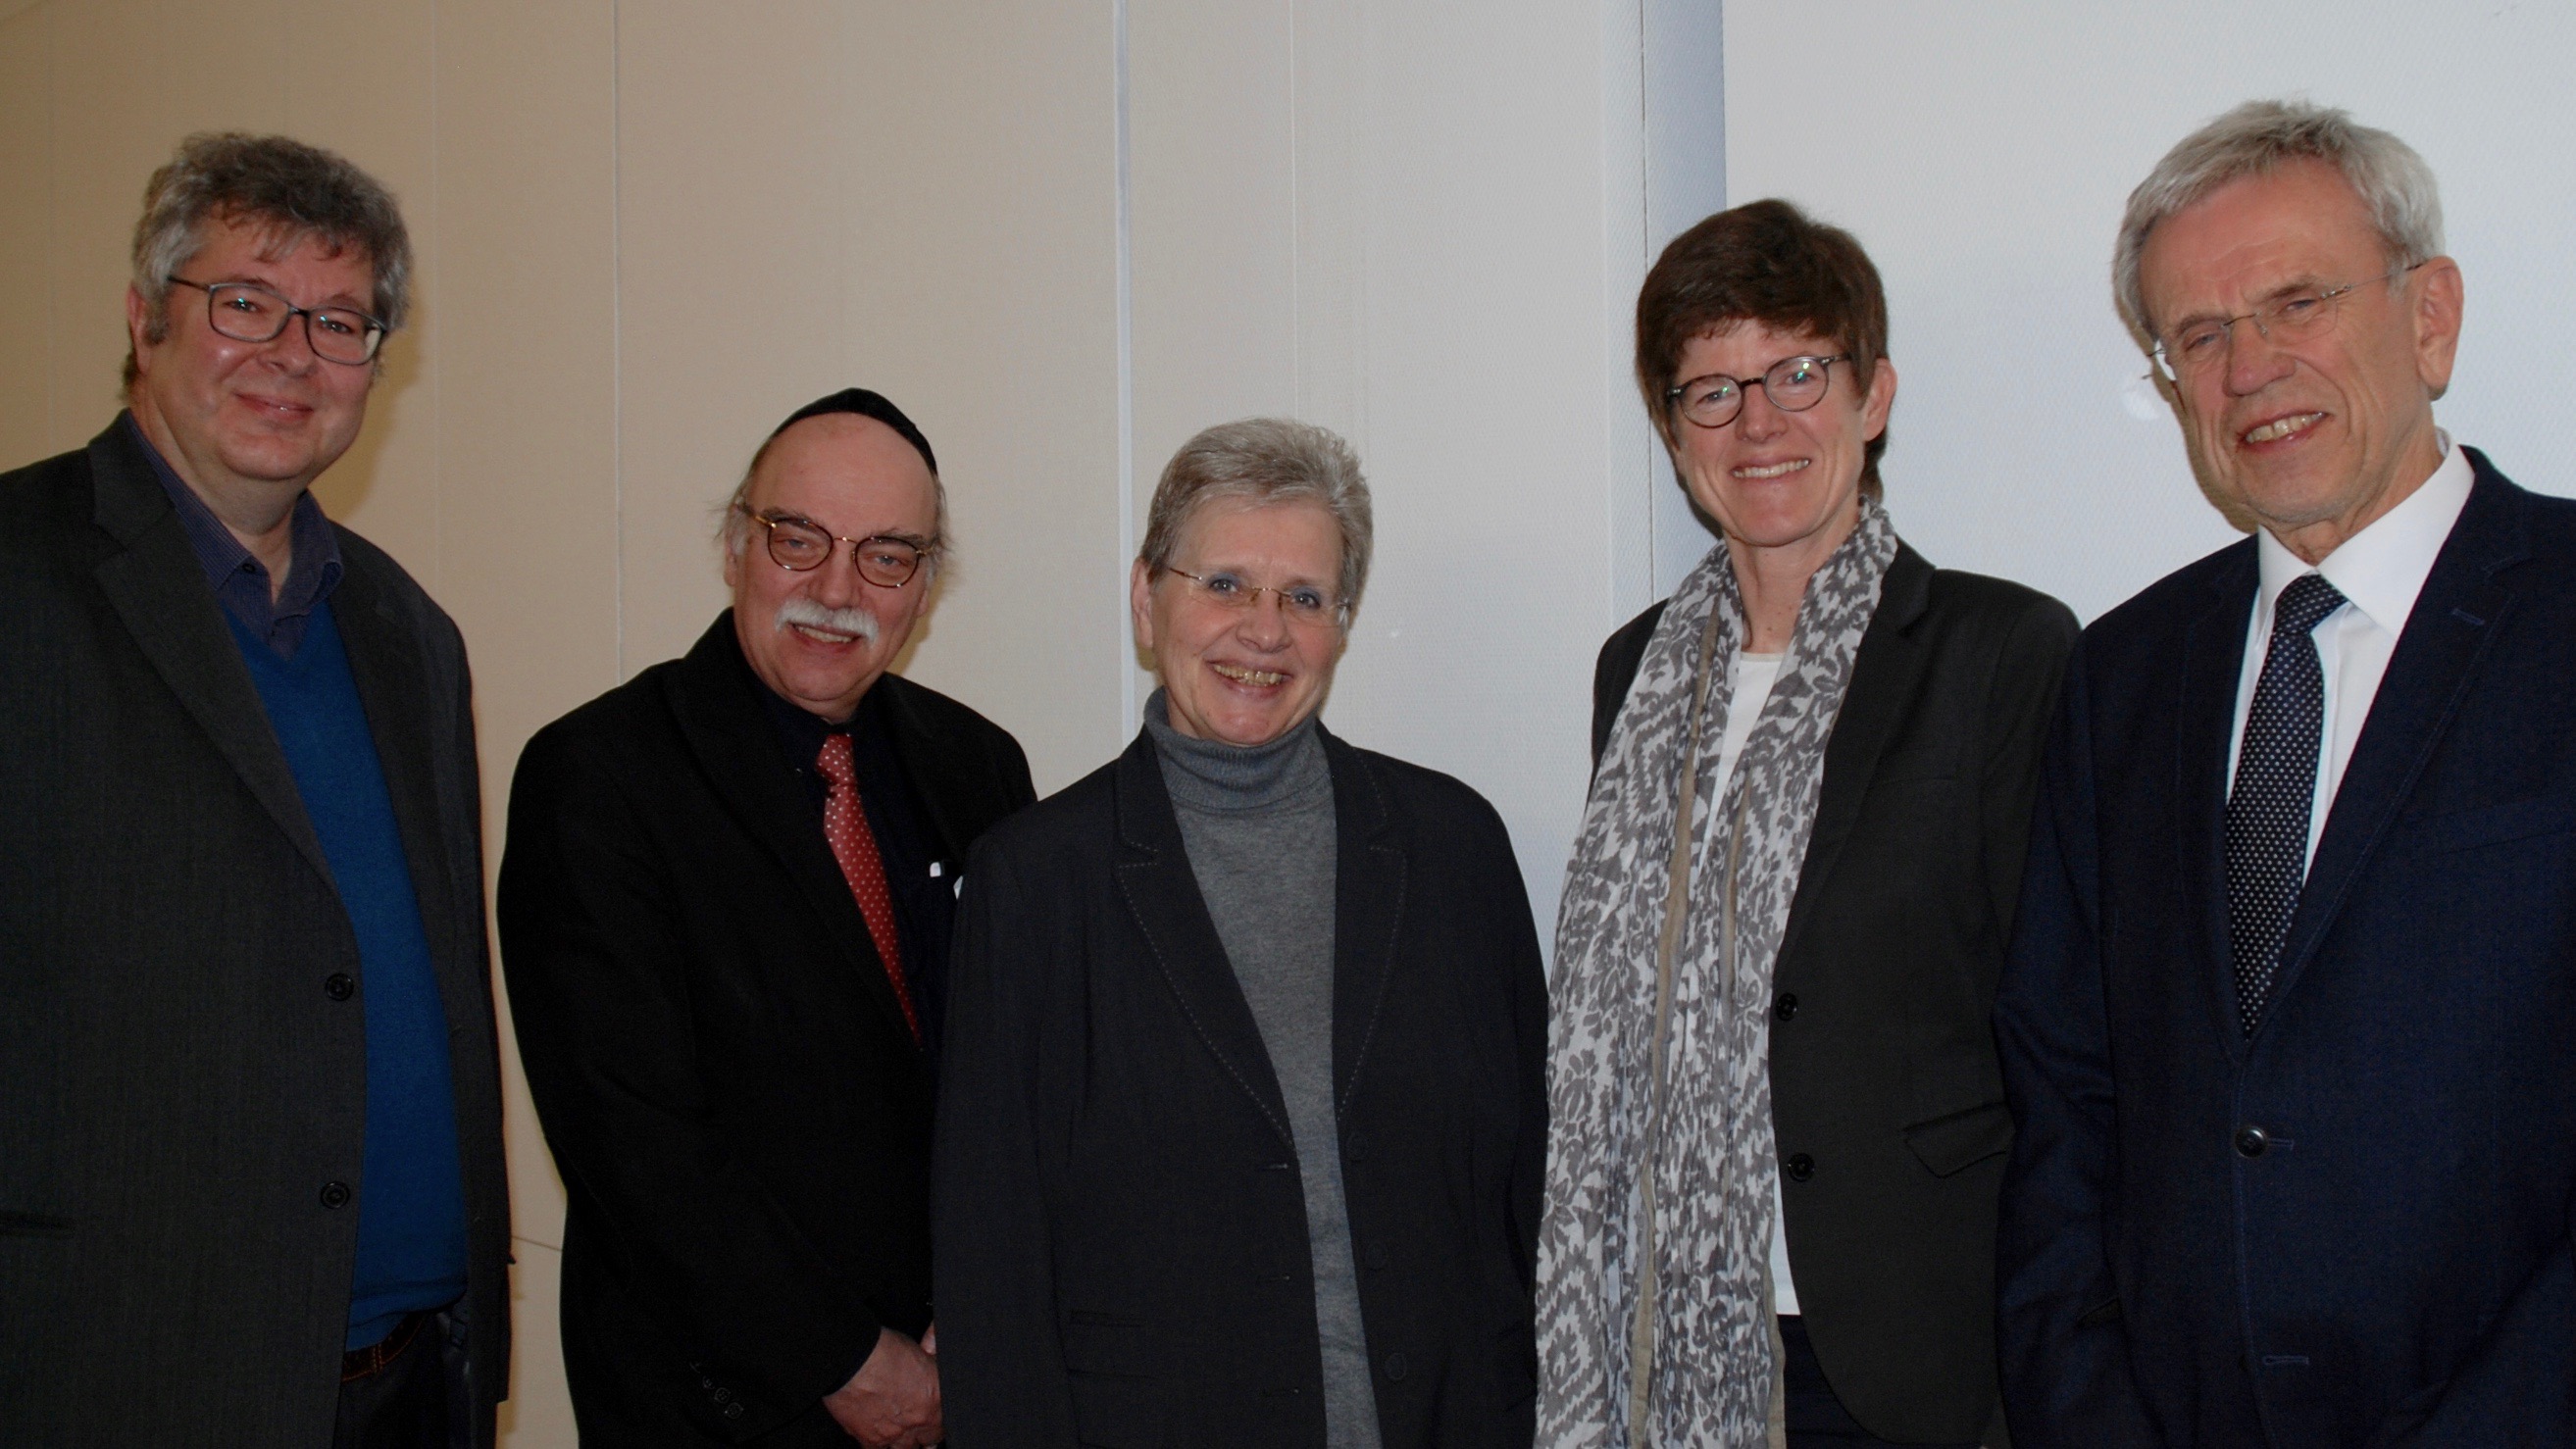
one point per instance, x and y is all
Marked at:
(2393, 1261)
(739, 1111)
(176, 1083)
(1123, 1256)
(1885, 1099)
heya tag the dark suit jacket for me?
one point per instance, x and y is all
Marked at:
(2395, 1266)
(1882, 1068)
(740, 1113)
(176, 1086)
(1123, 1257)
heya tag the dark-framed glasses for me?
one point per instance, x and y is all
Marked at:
(248, 312)
(1794, 384)
(887, 560)
(2200, 346)
(1298, 603)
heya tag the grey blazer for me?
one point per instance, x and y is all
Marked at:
(177, 1085)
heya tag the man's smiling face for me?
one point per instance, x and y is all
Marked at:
(247, 423)
(2318, 438)
(822, 636)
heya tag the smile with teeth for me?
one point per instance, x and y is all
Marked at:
(1240, 675)
(1774, 470)
(822, 636)
(2280, 428)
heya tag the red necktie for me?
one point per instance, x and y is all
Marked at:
(845, 825)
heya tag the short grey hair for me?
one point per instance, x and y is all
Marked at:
(275, 181)
(2256, 139)
(1265, 460)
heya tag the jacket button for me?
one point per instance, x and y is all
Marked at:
(733, 1411)
(338, 986)
(1800, 1167)
(1396, 1367)
(1786, 1008)
(335, 1194)
(724, 1396)
(2251, 1141)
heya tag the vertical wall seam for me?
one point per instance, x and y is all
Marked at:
(617, 324)
(1296, 229)
(1647, 480)
(1128, 704)
(437, 366)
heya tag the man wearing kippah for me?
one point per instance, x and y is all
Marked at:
(724, 909)
(251, 1187)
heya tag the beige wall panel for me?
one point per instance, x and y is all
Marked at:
(524, 381)
(26, 222)
(1213, 219)
(1474, 317)
(982, 286)
(130, 78)
(733, 161)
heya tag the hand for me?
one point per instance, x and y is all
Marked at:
(892, 1402)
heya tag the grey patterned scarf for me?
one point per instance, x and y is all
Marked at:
(1656, 1249)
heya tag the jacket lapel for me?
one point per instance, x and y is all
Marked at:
(1372, 870)
(1886, 671)
(712, 696)
(159, 590)
(1154, 878)
(2213, 654)
(956, 795)
(2462, 608)
(393, 690)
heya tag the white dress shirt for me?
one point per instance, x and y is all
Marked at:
(2379, 571)
(1748, 690)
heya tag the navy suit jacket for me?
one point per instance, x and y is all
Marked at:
(2394, 1265)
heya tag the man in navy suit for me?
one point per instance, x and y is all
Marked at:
(2289, 1027)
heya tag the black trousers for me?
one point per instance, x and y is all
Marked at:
(1816, 1419)
(407, 1392)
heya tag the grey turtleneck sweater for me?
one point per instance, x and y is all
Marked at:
(1258, 825)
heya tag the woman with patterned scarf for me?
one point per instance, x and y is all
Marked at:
(1777, 1124)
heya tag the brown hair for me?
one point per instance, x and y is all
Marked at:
(1768, 262)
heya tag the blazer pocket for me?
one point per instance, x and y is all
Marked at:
(15, 1224)
(1950, 1145)
(2498, 824)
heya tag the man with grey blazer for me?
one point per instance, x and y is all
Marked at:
(251, 1187)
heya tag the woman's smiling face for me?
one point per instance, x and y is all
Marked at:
(1243, 675)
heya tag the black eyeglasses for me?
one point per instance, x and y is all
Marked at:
(1794, 384)
(248, 312)
(886, 560)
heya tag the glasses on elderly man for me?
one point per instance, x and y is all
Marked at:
(1794, 384)
(1298, 603)
(884, 559)
(247, 312)
(2200, 346)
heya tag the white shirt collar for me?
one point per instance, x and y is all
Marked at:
(2382, 568)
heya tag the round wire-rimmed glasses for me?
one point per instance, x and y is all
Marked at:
(2202, 345)
(886, 560)
(1298, 603)
(1794, 384)
(248, 312)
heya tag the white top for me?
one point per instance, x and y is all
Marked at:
(1749, 689)
(2379, 571)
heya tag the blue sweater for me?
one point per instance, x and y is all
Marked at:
(411, 1198)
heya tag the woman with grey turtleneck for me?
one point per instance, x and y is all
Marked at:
(1243, 1119)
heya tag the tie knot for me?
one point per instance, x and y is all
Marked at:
(834, 761)
(2308, 599)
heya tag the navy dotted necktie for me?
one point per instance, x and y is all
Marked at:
(2269, 811)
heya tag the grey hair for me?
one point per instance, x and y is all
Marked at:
(733, 527)
(2257, 138)
(1265, 460)
(277, 181)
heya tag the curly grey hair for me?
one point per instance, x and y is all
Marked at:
(2257, 138)
(1265, 460)
(276, 181)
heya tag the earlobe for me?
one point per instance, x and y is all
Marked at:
(2437, 324)
(1140, 605)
